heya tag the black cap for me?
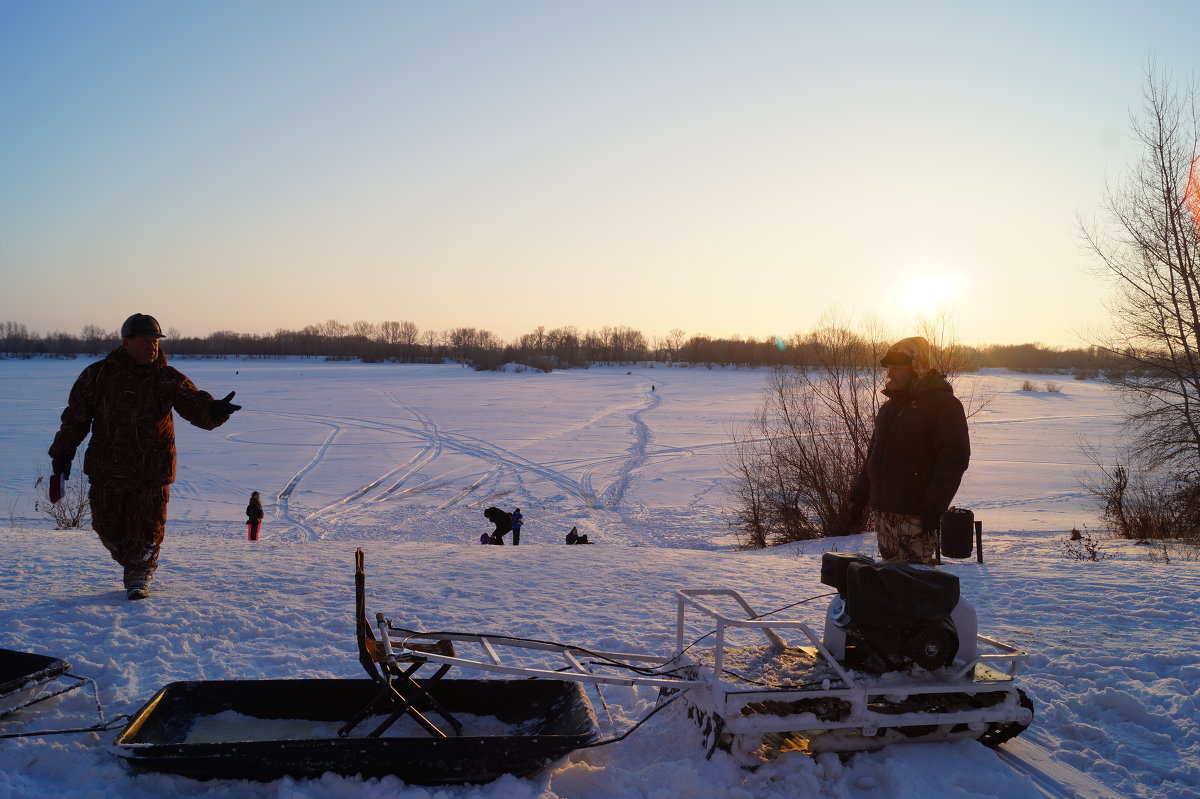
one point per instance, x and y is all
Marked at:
(141, 324)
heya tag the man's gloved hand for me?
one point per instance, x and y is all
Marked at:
(222, 409)
(930, 521)
(61, 466)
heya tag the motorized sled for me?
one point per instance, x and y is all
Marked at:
(900, 662)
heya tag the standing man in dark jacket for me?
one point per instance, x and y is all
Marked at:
(125, 401)
(919, 451)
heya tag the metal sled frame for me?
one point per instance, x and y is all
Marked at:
(867, 714)
(394, 658)
(861, 712)
(39, 678)
(398, 693)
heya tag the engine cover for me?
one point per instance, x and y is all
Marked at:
(893, 614)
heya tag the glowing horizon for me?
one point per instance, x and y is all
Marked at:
(721, 170)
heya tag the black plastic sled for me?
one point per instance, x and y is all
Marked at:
(267, 729)
(28, 679)
(25, 677)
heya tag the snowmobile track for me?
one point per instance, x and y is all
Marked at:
(1053, 779)
(283, 498)
(613, 494)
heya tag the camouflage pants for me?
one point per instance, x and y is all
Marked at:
(130, 522)
(900, 538)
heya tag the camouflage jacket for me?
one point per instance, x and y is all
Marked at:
(127, 408)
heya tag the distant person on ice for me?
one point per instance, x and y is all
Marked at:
(517, 521)
(254, 517)
(919, 451)
(125, 401)
(502, 521)
(573, 537)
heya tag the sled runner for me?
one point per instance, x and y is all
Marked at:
(28, 679)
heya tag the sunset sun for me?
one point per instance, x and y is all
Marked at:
(928, 294)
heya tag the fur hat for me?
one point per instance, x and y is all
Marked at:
(914, 350)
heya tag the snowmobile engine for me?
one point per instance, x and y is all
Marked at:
(890, 615)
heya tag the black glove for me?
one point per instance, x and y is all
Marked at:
(61, 466)
(930, 521)
(222, 409)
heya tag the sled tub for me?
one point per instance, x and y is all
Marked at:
(267, 729)
(27, 678)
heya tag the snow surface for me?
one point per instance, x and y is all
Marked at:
(402, 460)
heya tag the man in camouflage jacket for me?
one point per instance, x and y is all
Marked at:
(125, 401)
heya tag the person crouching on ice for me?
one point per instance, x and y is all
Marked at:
(126, 402)
(502, 521)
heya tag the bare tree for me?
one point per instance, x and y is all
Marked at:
(408, 336)
(625, 344)
(461, 341)
(389, 332)
(96, 339)
(333, 329)
(73, 510)
(674, 342)
(952, 359)
(431, 339)
(565, 345)
(1150, 250)
(795, 466)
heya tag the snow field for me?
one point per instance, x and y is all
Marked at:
(402, 461)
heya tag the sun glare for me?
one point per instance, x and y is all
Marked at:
(930, 293)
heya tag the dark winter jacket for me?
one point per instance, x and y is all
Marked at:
(127, 408)
(919, 451)
(254, 511)
(499, 518)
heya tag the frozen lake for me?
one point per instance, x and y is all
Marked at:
(629, 455)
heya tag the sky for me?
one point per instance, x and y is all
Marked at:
(714, 167)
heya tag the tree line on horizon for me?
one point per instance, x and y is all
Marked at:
(545, 349)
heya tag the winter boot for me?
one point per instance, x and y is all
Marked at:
(137, 585)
